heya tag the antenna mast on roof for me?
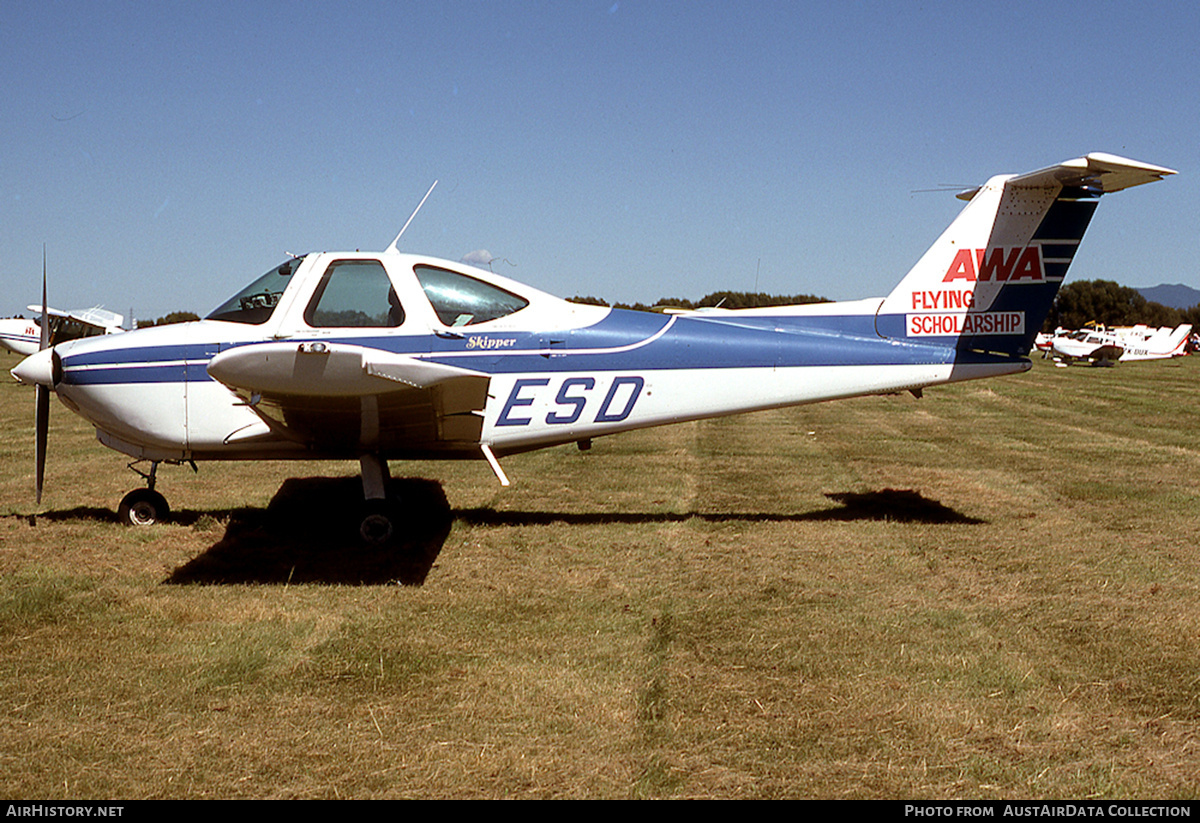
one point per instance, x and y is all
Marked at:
(392, 248)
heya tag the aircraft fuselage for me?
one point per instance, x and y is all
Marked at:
(572, 372)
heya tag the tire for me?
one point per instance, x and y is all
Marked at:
(378, 525)
(143, 507)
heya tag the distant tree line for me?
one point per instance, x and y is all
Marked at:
(1111, 304)
(1077, 304)
(723, 299)
(168, 319)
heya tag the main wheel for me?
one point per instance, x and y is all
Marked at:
(143, 507)
(378, 524)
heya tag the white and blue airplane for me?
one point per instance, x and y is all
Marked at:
(391, 356)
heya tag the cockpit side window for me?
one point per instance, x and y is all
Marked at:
(460, 300)
(253, 305)
(68, 328)
(354, 294)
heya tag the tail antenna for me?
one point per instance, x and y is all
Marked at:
(392, 248)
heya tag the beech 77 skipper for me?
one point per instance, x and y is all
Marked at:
(392, 356)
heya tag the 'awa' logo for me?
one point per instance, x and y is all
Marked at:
(997, 264)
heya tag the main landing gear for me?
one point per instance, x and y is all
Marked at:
(144, 507)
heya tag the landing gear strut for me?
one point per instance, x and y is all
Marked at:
(144, 507)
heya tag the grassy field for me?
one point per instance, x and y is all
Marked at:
(990, 592)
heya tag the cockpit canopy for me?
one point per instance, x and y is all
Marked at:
(358, 292)
(253, 305)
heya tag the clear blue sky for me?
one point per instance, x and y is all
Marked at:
(167, 153)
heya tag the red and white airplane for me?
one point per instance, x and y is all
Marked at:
(1106, 347)
(23, 336)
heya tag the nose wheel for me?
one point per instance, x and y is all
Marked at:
(144, 507)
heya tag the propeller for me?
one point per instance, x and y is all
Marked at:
(43, 371)
(42, 420)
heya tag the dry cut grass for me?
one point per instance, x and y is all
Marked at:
(991, 592)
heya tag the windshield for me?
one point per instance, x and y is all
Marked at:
(254, 304)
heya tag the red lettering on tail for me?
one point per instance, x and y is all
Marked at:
(998, 264)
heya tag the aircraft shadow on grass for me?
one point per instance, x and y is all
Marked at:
(309, 531)
(896, 505)
(309, 534)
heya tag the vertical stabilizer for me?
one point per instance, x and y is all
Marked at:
(989, 281)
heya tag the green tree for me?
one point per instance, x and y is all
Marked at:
(168, 319)
(723, 299)
(1108, 303)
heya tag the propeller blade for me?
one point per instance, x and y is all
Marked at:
(45, 340)
(42, 419)
(42, 430)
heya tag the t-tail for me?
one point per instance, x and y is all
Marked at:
(989, 281)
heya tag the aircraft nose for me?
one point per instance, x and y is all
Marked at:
(39, 369)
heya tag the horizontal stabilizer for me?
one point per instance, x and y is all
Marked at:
(1096, 173)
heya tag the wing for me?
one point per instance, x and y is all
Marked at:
(340, 398)
(1106, 355)
(98, 318)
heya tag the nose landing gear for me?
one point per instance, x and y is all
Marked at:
(144, 507)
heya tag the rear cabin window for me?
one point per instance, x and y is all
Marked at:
(460, 300)
(354, 294)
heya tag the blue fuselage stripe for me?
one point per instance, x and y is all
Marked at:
(625, 341)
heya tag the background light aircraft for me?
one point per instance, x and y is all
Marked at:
(1101, 346)
(391, 356)
(24, 336)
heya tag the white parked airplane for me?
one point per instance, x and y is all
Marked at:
(23, 336)
(390, 356)
(1101, 346)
